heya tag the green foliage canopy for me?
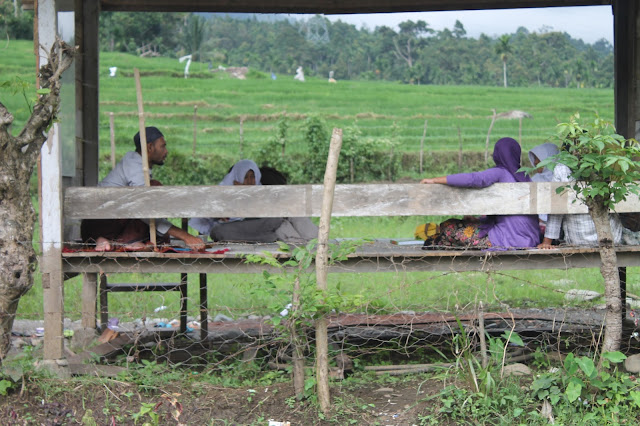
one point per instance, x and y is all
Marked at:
(602, 162)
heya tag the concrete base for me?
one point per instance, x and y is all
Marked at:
(82, 339)
(57, 367)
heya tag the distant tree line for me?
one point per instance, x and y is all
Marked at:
(414, 53)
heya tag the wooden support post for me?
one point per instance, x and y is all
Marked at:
(104, 302)
(424, 134)
(50, 192)
(112, 135)
(322, 266)
(184, 281)
(89, 298)
(204, 311)
(51, 237)
(195, 127)
(143, 149)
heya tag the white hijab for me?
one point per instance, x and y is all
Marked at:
(239, 171)
(543, 152)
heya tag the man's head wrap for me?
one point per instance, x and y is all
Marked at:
(152, 134)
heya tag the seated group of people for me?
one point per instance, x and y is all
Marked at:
(517, 231)
(133, 234)
(500, 231)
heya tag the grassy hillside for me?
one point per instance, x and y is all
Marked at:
(380, 110)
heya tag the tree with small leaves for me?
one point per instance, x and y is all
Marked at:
(604, 172)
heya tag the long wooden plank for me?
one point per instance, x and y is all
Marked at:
(379, 256)
(305, 200)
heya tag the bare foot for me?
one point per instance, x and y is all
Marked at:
(102, 244)
(138, 245)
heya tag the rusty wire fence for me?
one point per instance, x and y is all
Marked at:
(392, 315)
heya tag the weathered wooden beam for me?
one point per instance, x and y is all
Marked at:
(50, 202)
(378, 256)
(305, 201)
(331, 6)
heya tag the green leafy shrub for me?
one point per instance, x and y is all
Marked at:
(603, 396)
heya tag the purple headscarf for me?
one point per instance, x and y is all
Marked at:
(506, 155)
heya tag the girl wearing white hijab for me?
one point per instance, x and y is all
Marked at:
(240, 174)
(541, 153)
(536, 155)
(244, 172)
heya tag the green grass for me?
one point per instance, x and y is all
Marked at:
(380, 109)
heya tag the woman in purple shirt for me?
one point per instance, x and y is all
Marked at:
(499, 232)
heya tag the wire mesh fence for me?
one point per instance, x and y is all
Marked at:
(381, 308)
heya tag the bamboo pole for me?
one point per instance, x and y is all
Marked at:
(112, 135)
(483, 340)
(241, 137)
(143, 149)
(459, 150)
(486, 145)
(195, 127)
(520, 131)
(424, 134)
(298, 344)
(322, 260)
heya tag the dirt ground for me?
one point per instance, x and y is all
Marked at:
(117, 403)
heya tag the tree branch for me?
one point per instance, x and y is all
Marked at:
(45, 111)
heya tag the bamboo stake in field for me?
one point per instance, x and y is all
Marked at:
(113, 141)
(143, 150)
(486, 145)
(195, 127)
(424, 134)
(459, 150)
(241, 137)
(483, 340)
(322, 266)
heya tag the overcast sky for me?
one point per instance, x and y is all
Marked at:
(589, 23)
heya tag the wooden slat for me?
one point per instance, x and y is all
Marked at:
(305, 200)
(377, 256)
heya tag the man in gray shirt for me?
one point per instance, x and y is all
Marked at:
(132, 233)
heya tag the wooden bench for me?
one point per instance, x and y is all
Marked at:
(350, 200)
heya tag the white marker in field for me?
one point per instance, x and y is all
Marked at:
(186, 68)
(112, 71)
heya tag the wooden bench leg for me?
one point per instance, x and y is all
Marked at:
(104, 302)
(183, 303)
(204, 310)
(622, 274)
(89, 299)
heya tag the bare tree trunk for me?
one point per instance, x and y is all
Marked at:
(609, 270)
(504, 72)
(19, 156)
